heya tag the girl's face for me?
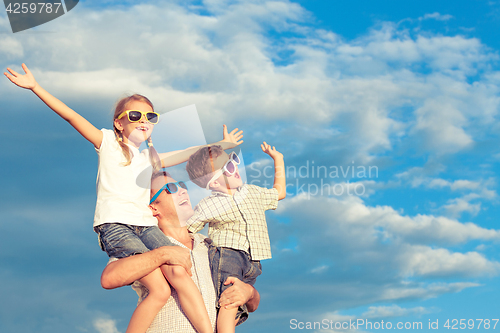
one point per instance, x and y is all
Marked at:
(135, 133)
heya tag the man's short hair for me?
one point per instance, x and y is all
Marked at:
(161, 173)
(200, 164)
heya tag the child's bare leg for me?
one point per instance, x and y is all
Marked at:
(189, 296)
(145, 313)
(226, 321)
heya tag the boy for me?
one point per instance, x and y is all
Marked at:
(236, 216)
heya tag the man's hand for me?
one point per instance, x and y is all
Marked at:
(179, 256)
(238, 294)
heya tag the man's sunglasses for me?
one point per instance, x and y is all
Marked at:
(228, 169)
(136, 115)
(170, 188)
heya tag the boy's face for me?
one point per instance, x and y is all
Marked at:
(227, 182)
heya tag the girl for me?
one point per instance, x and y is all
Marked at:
(123, 221)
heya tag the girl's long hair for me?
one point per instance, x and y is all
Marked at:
(121, 106)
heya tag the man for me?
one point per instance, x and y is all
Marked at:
(172, 211)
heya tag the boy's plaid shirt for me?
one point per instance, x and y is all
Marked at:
(237, 221)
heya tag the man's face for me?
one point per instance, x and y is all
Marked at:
(228, 181)
(175, 207)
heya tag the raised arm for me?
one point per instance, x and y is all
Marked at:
(125, 271)
(82, 125)
(279, 169)
(230, 140)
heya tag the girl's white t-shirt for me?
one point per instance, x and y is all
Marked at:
(123, 192)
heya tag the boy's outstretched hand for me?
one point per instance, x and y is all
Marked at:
(234, 137)
(279, 169)
(271, 151)
(26, 81)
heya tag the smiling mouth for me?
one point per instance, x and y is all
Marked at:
(141, 128)
(183, 202)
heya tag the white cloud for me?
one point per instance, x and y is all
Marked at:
(455, 207)
(351, 211)
(431, 291)
(425, 261)
(436, 16)
(105, 325)
(357, 244)
(10, 47)
(393, 311)
(459, 184)
(442, 124)
(319, 269)
(224, 64)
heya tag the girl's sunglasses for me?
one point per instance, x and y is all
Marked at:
(228, 169)
(170, 188)
(136, 115)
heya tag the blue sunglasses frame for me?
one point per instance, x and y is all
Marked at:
(179, 184)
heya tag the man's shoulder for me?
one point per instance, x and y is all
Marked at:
(199, 237)
(200, 243)
(112, 259)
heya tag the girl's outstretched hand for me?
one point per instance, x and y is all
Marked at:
(233, 137)
(26, 81)
(271, 151)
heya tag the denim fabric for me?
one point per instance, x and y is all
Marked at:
(123, 240)
(226, 262)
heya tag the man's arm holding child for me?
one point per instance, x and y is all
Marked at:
(279, 169)
(125, 271)
(238, 294)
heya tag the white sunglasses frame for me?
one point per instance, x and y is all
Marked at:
(224, 169)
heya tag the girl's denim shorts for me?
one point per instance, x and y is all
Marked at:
(123, 240)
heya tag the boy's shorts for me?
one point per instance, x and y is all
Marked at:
(226, 262)
(123, 240)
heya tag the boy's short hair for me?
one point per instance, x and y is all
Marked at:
(200, 164)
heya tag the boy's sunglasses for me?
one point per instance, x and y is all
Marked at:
(170, 188)
(136, 115)
(228, 169)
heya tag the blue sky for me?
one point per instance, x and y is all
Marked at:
(406, 90)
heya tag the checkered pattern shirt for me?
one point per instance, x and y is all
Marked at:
(237, 221)
(171, 318)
